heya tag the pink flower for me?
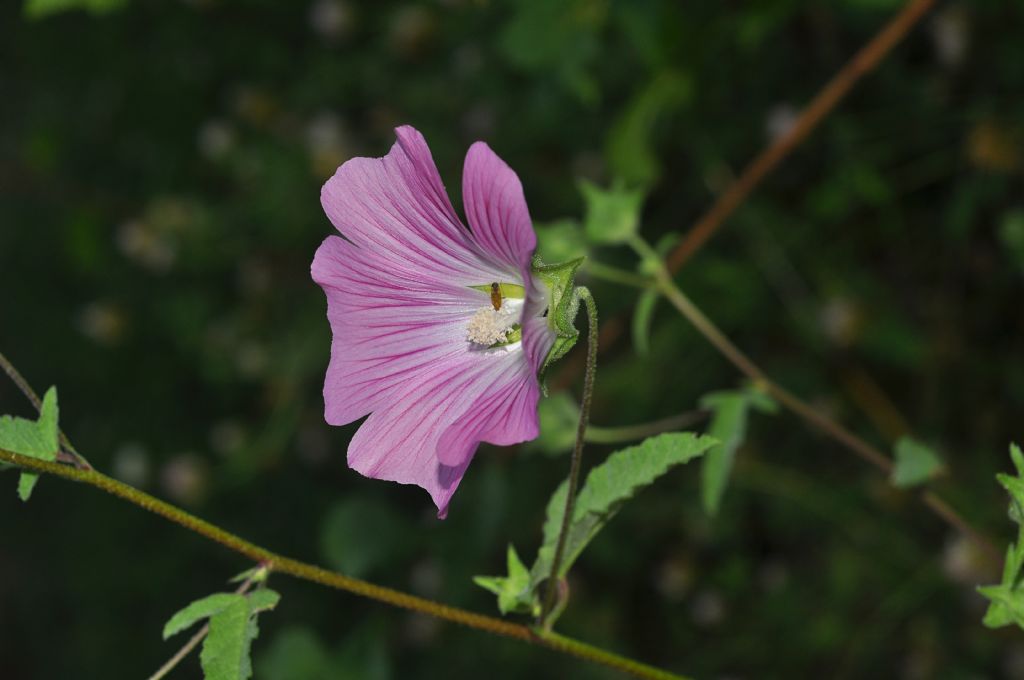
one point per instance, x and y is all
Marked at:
(438, 357)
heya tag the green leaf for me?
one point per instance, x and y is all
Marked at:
(1017, 456)
(611, 215)
(730, 410)
(225, 654)
(729, 426)
(1006, 600)
(643, 314)
(34, 438)
(916, 463)
(40, 9)
(263, 599)
(513, 591)
(232, 619)
(607, 488)
(199, 610)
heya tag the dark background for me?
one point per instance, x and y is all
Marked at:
(160, 167)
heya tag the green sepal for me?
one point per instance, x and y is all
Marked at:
(514, 591)
(563, 305)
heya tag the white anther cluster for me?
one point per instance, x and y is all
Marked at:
(489, 325)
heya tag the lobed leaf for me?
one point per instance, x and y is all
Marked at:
(34, 438)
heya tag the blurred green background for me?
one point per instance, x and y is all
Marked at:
(160, 166)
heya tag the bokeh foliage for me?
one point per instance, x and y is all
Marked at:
(160, 166)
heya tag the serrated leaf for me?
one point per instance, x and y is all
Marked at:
(916, 463)
(225, 654)
(513, 591)
(199, 610)
(606, 489)
(643, 314)
(612, 215)
(34, 438)
(232, 620)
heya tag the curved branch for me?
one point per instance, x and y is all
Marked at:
(308, 572)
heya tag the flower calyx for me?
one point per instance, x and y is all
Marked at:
(563, 306)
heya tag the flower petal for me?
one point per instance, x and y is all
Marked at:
(496, 208)
(387, 324)
(428, 434)
(397, 207)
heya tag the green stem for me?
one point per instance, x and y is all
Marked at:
(795, 404)
(577, 456)
(599, 270)
(308, 572)
(631, 433)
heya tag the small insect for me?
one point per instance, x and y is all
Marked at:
(496, 296)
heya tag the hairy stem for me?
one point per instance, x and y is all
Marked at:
(607, 272)
(808, 413)
(631, 433)
(577, 455)
(308, 572)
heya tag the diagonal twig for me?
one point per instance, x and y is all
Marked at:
(821, 106)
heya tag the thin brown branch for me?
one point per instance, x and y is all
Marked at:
(314, 574)
(832, 429)
(810, 118)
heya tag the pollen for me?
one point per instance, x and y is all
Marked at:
(489, 326)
